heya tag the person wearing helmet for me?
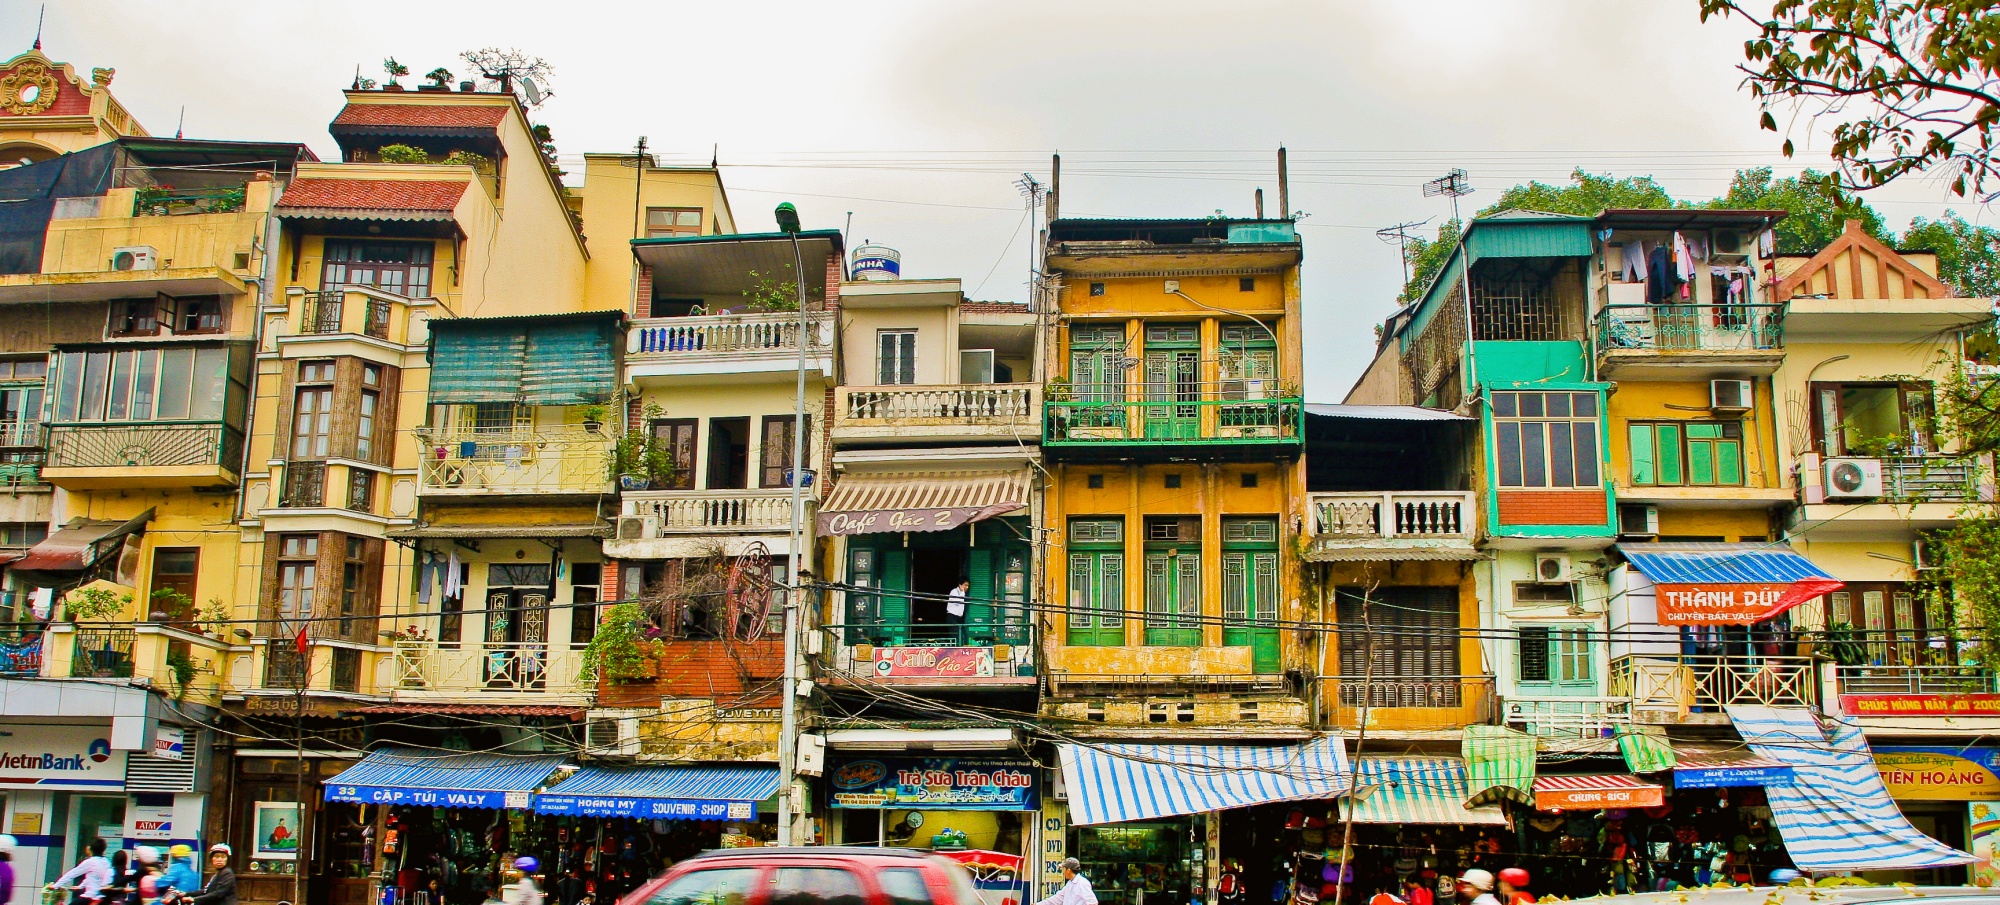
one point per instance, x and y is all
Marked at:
(180, 875)
(524, 890)
(1476, 887)
(221, 886)
(1514, 887)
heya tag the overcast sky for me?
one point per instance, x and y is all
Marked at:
(918, 117)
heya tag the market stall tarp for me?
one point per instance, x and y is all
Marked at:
(1414, 790)
(1499, 763)
(1837, 815)
(1726, 584)
(1646, 749)
(443, 780)
(1117, 783)
(1714, 767)
(685, 793)
(1563, 792)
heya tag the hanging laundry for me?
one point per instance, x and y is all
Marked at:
(1698, 246)
(41, 601)
(426, 572)
(1661, 278)
(453, 587)
(1632, 268)
(1683, 260)
(1767, 244)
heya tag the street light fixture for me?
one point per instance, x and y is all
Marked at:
(788, 727)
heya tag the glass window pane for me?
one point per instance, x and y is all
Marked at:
(1558, 405)
(1534, 455)
(145, 371)
(1562, 470)
(815, 886)
(96, 373)
(1670, 454)
(904, 886)
(1586, 454)
(1531, 405)
(1729, 462)
(69, 385)
(1583, 405)
(1701, 461)
(176, 375)
(1503, 405)
(1507, 449)
(1641, 439)
(211, 384)
(119, 405)
(729, 886)
(690, 218)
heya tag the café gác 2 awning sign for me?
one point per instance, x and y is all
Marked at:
(934, 784)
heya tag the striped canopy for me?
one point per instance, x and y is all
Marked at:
(1499, 763)
(1837, 815)
(1117, 783)
(1415, 790)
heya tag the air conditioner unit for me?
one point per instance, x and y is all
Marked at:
(1731, 242)
(1729, 395)
(1552, 567)
(135, 257)
(1852, 479)
(638, 527)
(1638, 520)
(612, 736)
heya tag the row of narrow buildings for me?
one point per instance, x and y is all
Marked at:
(388, 519)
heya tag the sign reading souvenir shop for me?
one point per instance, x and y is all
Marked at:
(934, 662)
(1920, 704)
(935, 783)
(1940, 773)
(646, 808)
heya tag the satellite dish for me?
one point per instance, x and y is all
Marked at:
(532, 91)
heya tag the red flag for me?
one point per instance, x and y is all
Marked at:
(301, 642)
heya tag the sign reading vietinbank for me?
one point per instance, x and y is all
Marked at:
(61, 757)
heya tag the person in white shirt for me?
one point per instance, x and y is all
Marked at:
(1076, 890)
(954, 605)
(91, 874)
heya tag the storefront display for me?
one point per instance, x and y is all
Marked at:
(1160, 861)
(980, 811)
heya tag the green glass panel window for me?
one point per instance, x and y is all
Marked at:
(1692, 453)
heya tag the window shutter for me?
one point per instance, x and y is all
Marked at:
(1080, 596)
(1534, 654)
(895, 565)
(1158, 605)
(1235, 587)
(1264, 587)
(1644, 470)
(978, 611)
(1188, 590)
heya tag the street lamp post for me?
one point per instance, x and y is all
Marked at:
(788, 727)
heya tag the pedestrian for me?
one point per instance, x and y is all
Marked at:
(1514, 887)
(221, 886)
(524, 890)
(1076, 890)
(90, 876)
(1475, 886)
(180, 875)
(954, 607)
(7, 844)
(1417, 892)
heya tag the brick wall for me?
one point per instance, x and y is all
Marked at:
(1552, 507)
(835, 272)
(642, 293)
(707, 669)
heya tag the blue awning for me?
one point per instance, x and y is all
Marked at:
(1721, 563)
(1837, 814)
(440, 780)
(1117, 783)
(687, 793)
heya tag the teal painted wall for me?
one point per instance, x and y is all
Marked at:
(1508, 365)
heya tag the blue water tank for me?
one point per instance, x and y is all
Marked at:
(876, 262)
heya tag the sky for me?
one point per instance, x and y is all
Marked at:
(918, 118)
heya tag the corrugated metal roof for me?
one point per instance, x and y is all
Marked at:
(411, 776)
(79, 544)
(711, 783)
(1119, 783)
(1415, 790)
(1382, 412)
(1690, 563)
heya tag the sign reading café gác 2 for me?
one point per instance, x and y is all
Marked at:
(883, 521)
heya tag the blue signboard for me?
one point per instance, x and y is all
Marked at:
(428, 798)
(662, 808)
(935, 784)
(1720, 777)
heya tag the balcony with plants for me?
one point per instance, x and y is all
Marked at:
(171, 645)
(134, 416)
(538, 458)
(1117, 418)
(350, 311)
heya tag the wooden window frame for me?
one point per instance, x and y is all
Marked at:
(773, 462)
(675, 229)
(1910, 396)
(340, 261)
(896, 367)
(1512, 432)
(687, 457)
(1649, 469)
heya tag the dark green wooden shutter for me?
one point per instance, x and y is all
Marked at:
(895, 566)
(473, 362)
(570, 362)
(979, 614)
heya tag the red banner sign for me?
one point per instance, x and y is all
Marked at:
(1920, 704)
(1734, 603)
(934, 662)
(1574, 799)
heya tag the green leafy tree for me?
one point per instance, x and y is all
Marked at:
(1815, 214)
(1587, 195)
(1426, 257)
(1968, 256)
(1907, 85)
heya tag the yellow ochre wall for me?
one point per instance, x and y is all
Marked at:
(610, 221)
(1475, 693)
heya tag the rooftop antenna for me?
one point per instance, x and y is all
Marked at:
(1453, 185)
(1033, 191)
(531, 91)
(44, 14)
(715, 155)
(1400, 234)
(181, 122)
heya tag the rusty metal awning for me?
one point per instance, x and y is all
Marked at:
(80, 544)
(574, 713)
(922, 501)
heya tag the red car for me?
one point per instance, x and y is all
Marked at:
(810, 876)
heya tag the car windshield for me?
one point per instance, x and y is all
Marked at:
(719, 886)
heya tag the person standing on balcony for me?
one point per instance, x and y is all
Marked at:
(954, 609)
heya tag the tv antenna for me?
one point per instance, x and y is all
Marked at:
(1032, 191)
(1453, 185)
(514, 71)
(1400, 235)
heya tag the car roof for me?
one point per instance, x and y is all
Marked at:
(809, 851)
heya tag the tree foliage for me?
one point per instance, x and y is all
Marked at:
(1426, 257)
(1968, 256)
(1587, 195)
(1907, 85)
(1815, 214)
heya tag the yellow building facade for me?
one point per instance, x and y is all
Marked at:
(47, 108)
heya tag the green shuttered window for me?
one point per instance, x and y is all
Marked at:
(1692, 453)
(567, 360)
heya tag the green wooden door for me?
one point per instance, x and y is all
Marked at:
(1173, 375)
(1173, 598)
(895, 596)
(979, 610)
(1250, 591)
(1096, 583)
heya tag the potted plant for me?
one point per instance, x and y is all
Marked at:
(640, 460)
(401, 153)
(440, 80)
(395, 70)
(212, 618)
(171, 606)
(94, 604)
(593, 418)
(183, 668)
(619, 652)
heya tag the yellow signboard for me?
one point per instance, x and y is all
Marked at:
(1939, 773)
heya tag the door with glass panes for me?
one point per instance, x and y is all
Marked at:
(1173, 581)
(1173, 381)
(1097, 376)
(1096, 582)
(1250, 590)
(517, 625)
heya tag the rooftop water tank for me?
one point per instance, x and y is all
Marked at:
(876, 262)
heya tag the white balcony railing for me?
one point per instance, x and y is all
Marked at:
(1443, 515)
(1567, 717)
(20, 433)
(1684, 684)
(679, 512)
(724, 335)
(485, 462)
(1923, 680)
(475, 669)
(998, 403)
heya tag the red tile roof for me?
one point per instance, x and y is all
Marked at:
(438, 195)
(472, 709)
(435, 116)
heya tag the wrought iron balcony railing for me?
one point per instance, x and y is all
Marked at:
(130, 444)
(514, 462)
(1691, 328)
(1174, 415)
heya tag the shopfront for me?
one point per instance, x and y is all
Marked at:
(624, 825)
(1947, 792)
(982, 810)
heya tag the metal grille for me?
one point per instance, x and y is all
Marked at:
(1517, 309)
(305, 485)
(144, 773)
(141, 446)
(1432, 361)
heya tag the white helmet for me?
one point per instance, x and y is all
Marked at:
(8, 841)
(146, 854)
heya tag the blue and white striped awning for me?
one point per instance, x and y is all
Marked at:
(443, 780)
(1117, 783)
(686, 793)
(1708, 563)
(1415, 790)
(1836, 814)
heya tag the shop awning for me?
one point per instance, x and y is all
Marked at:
(1117, 783)
(1415, 790)
(1499, 764)
(931, 501)
(1837, 814)
(1572, 793)
(1726, 584)
(685, 793)
(80, 544)
(441, 780)
(1715, 766)
(1646, 749)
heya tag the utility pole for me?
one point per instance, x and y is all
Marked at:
(788, 727)
(1453, 185)
(1033, 191)
(1400, 235)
